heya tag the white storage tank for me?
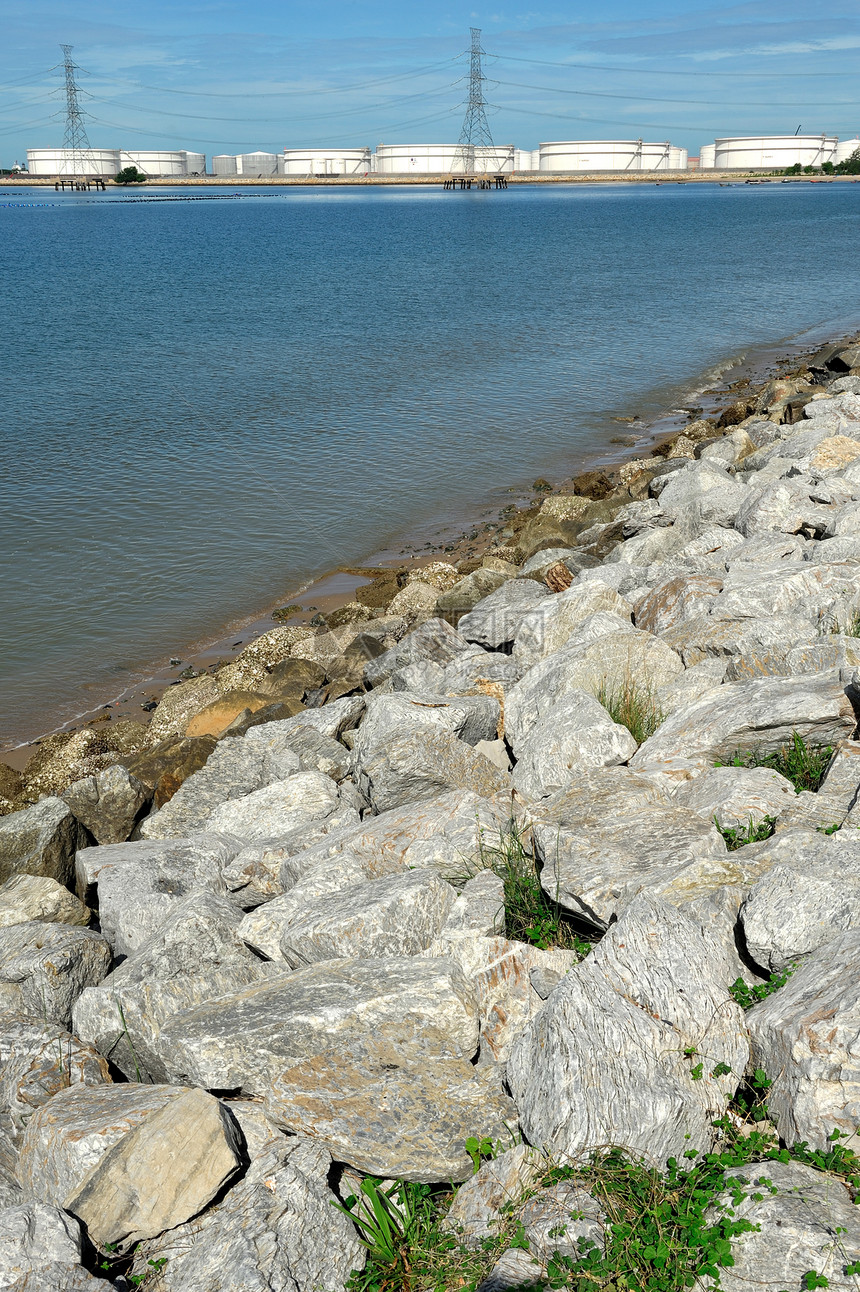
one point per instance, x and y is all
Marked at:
(224, 165)
(195, 163)
(845, 149)
(590, 155)
(153, 162)
(773, 152)
(523, 160)
(418, 159)
(257, 165)
(312, 162)
(678, 158)
(103, 162)
(706, 156)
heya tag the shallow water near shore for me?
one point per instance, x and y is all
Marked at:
(208, 403)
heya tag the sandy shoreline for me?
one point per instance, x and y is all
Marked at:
(381, 181)
(460, 540)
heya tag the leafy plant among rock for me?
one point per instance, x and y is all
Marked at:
(530, 914)
(804, 765)
(755, 832)
(632, 705)
(747, 996)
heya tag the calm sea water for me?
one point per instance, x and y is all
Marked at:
(206, 403)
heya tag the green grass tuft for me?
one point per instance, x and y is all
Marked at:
(631, 705)
(739, 836)
(804, 765)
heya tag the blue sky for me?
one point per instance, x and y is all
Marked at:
(230, 77)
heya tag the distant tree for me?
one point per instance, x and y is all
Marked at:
(794, 170)
(131, 175)
(827, 167)
(851, 165)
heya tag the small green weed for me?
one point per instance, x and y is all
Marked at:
(632, 705)
(804, 765)
(747, 996)
(530, 915)
(114, 1262)
(755, 832)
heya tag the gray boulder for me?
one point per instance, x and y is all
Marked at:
(804, 900)
(195, 955)
(108, 804)
(253, 876)
(761, 715)
(319, 752)
(236, 767)
(804, 1037)
(675, 600)
(471, 674)
(394, 1113)
(547, 628)
(562, 1220)
(140, 884)
(706, 636)
(45, 967)
(36, 897)
(435, 641)
(800, 1220)
(279, 808)
(420, 766)
(331, 721)
(468, 592)
(34, 1237)
(497, 1187)
(190, 1145)
(480, 907)
(40, 840)
(607, 1060)
(37, 1060)
(347, 1008)
(516, 1270)
(495, 620)
(276, 1228)
(397, 916)
(576, 734)
(594, 864)
(471, 717)
(736, 797)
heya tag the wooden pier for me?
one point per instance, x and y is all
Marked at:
(475, 181)
(79, 185)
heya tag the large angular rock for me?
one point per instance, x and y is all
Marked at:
(804, 1036)
(595, 865)
(319, 752)
(608, 663)
(559, 1220)
(484, 672)
(278, 809)
(45, 967)
(393, 1113)
(168, 1153)
(810, 590)
(164, 767)
(40, 840)
(195, 955)
(108, 804)
(761, 715)
(705, 636)
(397, 916)
(495, 620)
(37, 1060)
(347, 1008)
(480, 907)
(578, 733)
(435, 641)
(675, 600)
(803, 903)
(332, 720)
(736, 797)
(842, 777)
(604, 1061)
(236, 768)
(801, 1221)
(276, 1228)
(516, 1270)
(547, 628)
(471, 718)
(35, 1238)
(468, 592)
(415, 767)
(178, 705)
(36, 897)
(140, 884)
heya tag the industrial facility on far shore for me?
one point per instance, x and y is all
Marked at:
(754, 153)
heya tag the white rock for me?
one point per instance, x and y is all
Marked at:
(578, 733)
(45, 967)
(37, 897)
(547, 628)
(278, 808)
(495, 620)
(33, 1236)
(737, 796)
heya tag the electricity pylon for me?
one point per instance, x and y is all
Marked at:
(76, 145)
(476, 129)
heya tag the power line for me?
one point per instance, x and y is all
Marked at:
(642, 98)
(654, 71)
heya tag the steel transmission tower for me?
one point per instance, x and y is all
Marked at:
(76, 145)
(476, 129)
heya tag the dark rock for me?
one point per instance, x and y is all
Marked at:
(737, 412)
(163, 768)
(292, 677)
(41, 840)
(592, 484)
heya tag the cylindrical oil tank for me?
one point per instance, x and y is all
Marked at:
(845, 149)
(224, 165)
(102, 162)
(590, 155)
(522, 159)
(773, 152)
(706, 156)
(257, 165)
(153, 162)
(312, 162)
(497, 159)
(418, 159)
(678, 159)
(195, 163)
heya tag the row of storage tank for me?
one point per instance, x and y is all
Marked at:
(776, 152)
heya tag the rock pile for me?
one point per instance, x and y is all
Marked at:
(274, 943)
